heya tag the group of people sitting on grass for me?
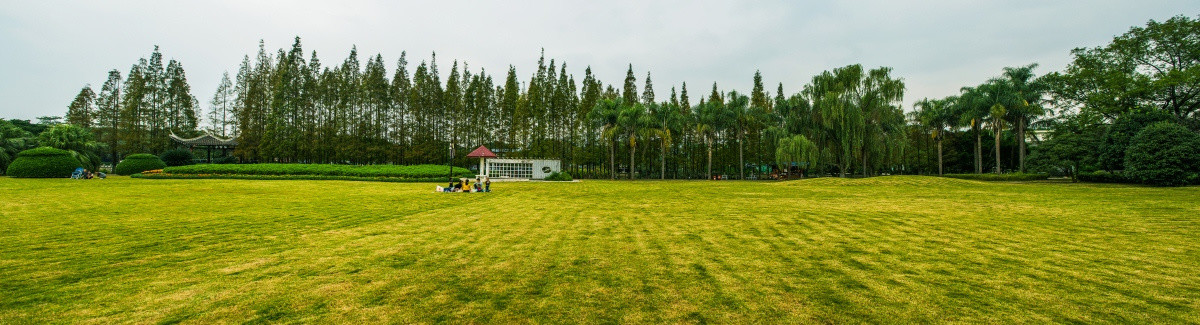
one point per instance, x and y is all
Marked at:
(463, 185)
(81, 173)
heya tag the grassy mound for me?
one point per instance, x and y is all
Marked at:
(137, 163)
(313, 171)
(1014, 177)
(44, 162)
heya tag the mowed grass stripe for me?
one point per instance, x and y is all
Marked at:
(887, 249)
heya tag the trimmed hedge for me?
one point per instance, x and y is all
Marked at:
(137, 163)
(178, 157)
(394, 171)
(559, 177)
(1014, 177)
(1103, 177)
(44, 162)
(289, 177)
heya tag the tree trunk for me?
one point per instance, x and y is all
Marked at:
(741, 160)
(709, 143)
(997, 150)
(632, 156)
(612, 159)
(940, 157)
(864, 156)
(663, 162)
(1021, 142)
(978, 150)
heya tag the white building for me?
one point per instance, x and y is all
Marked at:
(492, 166)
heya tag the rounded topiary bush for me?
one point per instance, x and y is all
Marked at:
(178, 157)
(137, 163)
(1164, 154)
(44, 162)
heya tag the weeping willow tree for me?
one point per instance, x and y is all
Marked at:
(797, 149)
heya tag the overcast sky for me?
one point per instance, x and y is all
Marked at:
(50, 49)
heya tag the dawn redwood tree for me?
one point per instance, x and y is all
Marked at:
(108, 113)
(220, 114)
(81, 111)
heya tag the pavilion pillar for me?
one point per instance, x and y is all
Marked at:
(482, 166)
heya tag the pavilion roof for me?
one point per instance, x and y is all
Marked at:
(207, 139)
(482, 152)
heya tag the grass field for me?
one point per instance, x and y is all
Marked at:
(879, 250)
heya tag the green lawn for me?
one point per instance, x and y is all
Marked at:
(879, 250)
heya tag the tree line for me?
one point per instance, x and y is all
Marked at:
(1089, 115)
(287, 106)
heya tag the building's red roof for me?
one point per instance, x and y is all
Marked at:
(482, 152)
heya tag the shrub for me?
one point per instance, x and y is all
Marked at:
(1163, 154)
(1014, 177)
(178, 157)
(225, 160)
(137, 163)
(559, 177)
(395, 171)
(44, 162)
(1104, 177)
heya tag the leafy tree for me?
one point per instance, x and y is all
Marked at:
(1156, 66)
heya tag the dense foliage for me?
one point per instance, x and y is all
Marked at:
(13, 139)
(1165, 154)
(559, 177)
(137, 163)
(43, 162)
(395, 171)
(178, 157)
(74, 139)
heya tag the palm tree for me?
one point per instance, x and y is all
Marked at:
(636, 124)
(1027, 91)
(667, 119)
(998, 114)
(77, 140)
(709, 120)
(972, 108)
(937, 115)
(604, 116)
(744, 120)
